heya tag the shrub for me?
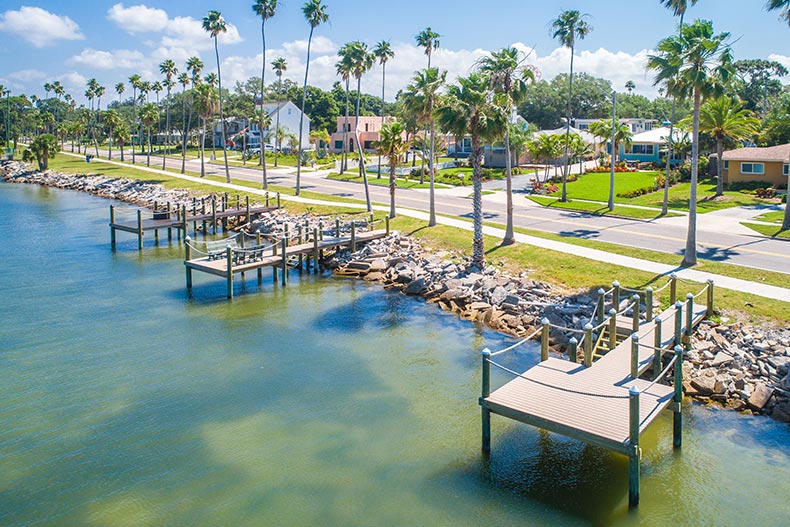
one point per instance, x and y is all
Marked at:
(748, 186)
(636, 192)
(673, 179)
(764, 193)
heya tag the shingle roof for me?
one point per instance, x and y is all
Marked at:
(770, 153)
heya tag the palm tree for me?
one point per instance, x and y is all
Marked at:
(195, 66)
(135, 81)
(508, 77)
(469, 108)
(545, 147)
(694, 64)
(567, 28)
(119, 89)
(121, 134)
(184, 81)
(315, 13)
(343, 68)
(206, 104)
(113, 120)
(784, 7)
(264, 9)
(214, 24)
(429, 40)
(169, 70)
(725, 119)
(392, 145)
(630, 86)
(678, 8)
(421, 96)
(99, 91)
(149, 114)
(621, 133)
(361, 61)
(383, 52)
(280, 66)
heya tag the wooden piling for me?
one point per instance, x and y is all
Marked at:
(387, 224)
(544, 340)
(337, 227)
(612, 329)
(285, 259)
(169, 229)
(213, 215)
(616, 295)
(677, 417)
(353, 238)
(278, 200)
(139, 229)
(648, 303)
(657, 340)
(316, 261)
(601, 309)
(229, 258)
(633, 453)
(274, 267)
(673, 288)
(709, 310)
(112, 226)
(678, 323)
(485, 392)
(573, 349)
(689, 319)
(588, 345)
(635, 311)
(635, 355)
(187, 257)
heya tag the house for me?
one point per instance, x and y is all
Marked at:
(650, 147)
(367, 126)
(637, 125)
(769, 164)
(289, 115)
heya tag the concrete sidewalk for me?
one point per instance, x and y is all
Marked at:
(735, 284)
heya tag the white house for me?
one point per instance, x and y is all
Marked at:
(637, 125)
(289, 115)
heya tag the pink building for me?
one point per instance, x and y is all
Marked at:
(368, 129)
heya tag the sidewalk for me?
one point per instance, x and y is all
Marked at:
(736, 284)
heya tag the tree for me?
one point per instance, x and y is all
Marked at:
(343, 68)
(383, 53)
(724, 119)
(280, 66)
(113, 120)
(757, 83)
(169, 70)
(121, 135)
(149, 114)
(135, 81)
(184, 81)
(622, 134)
(206, 104)
(392, 145)
(630, 86)
(569, 27)
(361, 62)
(429, 40)
(44, 148)
(195, 67)
(784, 8)
(315, 13)
(214, 24)
(468, 108)
(508, 78)
(421, 95)
(545, 147)
(693, 64)
(119, 89)
(264, 9)
(678, 7)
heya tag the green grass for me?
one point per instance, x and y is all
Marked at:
(773, 217)
(599, 208)
(595, 186)
(353, 176)
(768, 230)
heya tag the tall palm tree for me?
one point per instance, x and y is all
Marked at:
(135, 81)
(392, 145)
(508, 78)
(421, 95)
(214, 24)
(211, 79)
(694, 63)
(264, 9)
(569, 27)
(429, 40)
(149, 114)
(280, 66)
(113, 120)
(469, 109)
(725, 119)
(622, 135)
(205, 103)
(678, 8)
(383, 53)
(195, 67)
(119, 89)
(169, 70)
(184, 81)
(315, 13)
(121, 134)
(343, 68)
(783, 6)
(362, 61)
(630, 86)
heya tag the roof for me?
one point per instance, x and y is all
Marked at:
(587, 137)
(657, 136)
(770, 153)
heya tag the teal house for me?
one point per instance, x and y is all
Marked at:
(650, 147)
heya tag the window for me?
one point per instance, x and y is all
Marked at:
(648, 127)
(752, 168)
(584, 126)
(646, 150)
(726, 165)
(368, 145)
(785, 169)
(338, 145)
(367, 127)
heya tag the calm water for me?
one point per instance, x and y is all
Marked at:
(125, 402)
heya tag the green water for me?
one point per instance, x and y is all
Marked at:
(331, 402)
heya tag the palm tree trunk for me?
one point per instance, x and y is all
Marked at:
(786, 220)
(344, 152)
(203, 150)
(134, 118)
(359, 146)
(222, 115)
(719, 167)
(690, 256)
(665, 203)
(110, 154)
(509, 238)
(478, 247)
(167, 126)
(186, 132)
(567, 131)
(148, 153)
(301, 115)
(278, 143)
(431, 193)
(383, 80)
(614, 151)
(265, 181)
(183, 129)
(393, 165)
(121, 151)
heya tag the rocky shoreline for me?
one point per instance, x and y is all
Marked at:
(741, 367)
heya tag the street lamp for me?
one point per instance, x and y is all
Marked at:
(611, 162)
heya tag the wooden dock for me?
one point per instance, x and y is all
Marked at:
(310, 247)
(605, 403)
(210, 213)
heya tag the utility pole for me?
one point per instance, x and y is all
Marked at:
(611, 164)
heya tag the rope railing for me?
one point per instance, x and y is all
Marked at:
(519, 343)
(663, 372)
(669, 282)
(193, 248)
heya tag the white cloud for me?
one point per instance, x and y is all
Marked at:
(108, 60)
(321, 46)
(138, 18)
(73, 82)
(187, 33)
(39, 27)
(28, 75)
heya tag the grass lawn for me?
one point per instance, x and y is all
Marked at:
(595, 186)
(773, 217)
(600, 209)
(354, 177)
(768, 230)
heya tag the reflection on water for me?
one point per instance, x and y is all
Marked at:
(126, 401)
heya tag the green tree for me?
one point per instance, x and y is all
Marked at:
(630, 86)
(264, 9)
(383, 53)
(546, 148)
(44, 148)
(135, 81)
(169, 70)
(315, 13)
(469, 108)
(121, 135)
(195, 67)
(343, 68)
(113, 120)
(569, 27)
(280, 66)
(149, 115)
(361, 61)
(508, 78)
(214, 24)
(206, 104)
(429, 40)
(783, 6)
(693, 64)
(392, 145)
(119, 89)
(758, 83)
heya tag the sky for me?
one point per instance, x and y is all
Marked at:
(47, 40)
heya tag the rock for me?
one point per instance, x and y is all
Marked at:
(720, 358)
(762, 394)
(704, 385)
(416, 287)
(479, 306)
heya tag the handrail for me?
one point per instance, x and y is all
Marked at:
(519, 343)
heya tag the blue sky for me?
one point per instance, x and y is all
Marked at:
(43, 41)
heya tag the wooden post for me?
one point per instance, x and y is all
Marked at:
(616, 295)
(214, 215)
(573, 349)
(187, 257)
(258, 246)
(689, 319)
(184, 219)
(635, 312)
(612, 329)
(601, 309)
(678, 323)
(321, 230)
(677, 418)
(229, 258)
(316, 261)
(299, 241)
(194, 213)
(139, 229)
(337, 227)
(169, 229)
(588, 345)
(387, 224)
(247, 218)
(285, 259)
(274, 267)
(544, 340)
(353, 238)
(635, 355)
(485, 392)
(203, 213)
(673, 288)
(267, 198)
(238, 202)
(633, 446)
(648, 303)
(709, 311)
(278, 200)
(657, 340)
(112, 226)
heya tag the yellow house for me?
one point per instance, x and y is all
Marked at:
(769, 164)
